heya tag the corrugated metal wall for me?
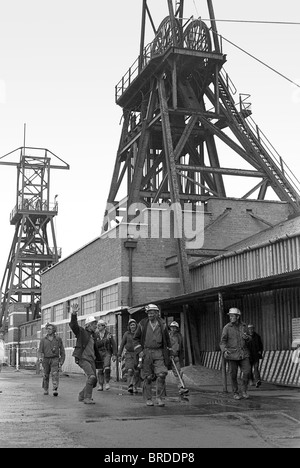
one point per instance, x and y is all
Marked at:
(280, 367)
(271, 312)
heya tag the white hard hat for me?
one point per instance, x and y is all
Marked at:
(89, 320)
(131, 321)
(101, 322)
(235, 311)
(151, 307)
(174, 324)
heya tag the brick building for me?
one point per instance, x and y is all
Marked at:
(114, 274)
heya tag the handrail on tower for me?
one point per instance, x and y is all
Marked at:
(194, 35)
(33, 213)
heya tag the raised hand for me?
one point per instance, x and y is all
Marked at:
(75, 308)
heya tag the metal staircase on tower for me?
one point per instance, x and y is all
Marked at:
(282, 186)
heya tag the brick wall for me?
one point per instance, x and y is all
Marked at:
(97, 263)
(238, 223)
(106, 259)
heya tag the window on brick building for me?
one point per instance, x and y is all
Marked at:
(109, 297)
(58, 312)
(46, 315)
(60, 331)
(89, 304)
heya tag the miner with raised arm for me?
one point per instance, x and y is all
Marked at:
(85, 353)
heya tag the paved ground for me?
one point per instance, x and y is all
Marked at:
(208, 418)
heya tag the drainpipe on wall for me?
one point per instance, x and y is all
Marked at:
(130, 244)
(18, 347)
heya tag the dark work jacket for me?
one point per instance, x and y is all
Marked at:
(140, 335)
(83, 337)
(255, 347)
(106, 344)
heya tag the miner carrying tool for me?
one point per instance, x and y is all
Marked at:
(177, 359)
(152, 343)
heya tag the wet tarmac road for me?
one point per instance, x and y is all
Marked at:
(270, 418)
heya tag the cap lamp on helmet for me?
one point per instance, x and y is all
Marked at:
(234, 311)
(89, 320)
(174, 324)
(151, 307)
(101, 322)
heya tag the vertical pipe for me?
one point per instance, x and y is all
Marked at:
(217, 94)
(180, 8)
(130, 244)
(130, 277)
(174, 85)
(24, 141)
(213, 25)
(17, 357)
(117, 343)
(142, 42)
(223, 363)
(187, 334)
(173, 22)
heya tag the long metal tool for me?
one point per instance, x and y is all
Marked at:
(183, 387)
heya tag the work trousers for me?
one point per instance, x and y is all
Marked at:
(89, 368)
(104, 368)
(131, 368)
(154, 368)
(254, 371)
(50, 367)
(244, 365)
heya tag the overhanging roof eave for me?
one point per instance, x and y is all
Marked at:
(285, 280)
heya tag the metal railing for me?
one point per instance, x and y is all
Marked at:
(29, 205)
(245, 105)
(142, 61)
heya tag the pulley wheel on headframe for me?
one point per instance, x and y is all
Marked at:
(196, 36)
(164, 37)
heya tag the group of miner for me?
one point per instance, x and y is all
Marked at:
(148, 350)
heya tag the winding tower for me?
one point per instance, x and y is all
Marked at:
(178, 103)
(34, 245)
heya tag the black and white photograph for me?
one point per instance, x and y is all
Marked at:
(150, 227)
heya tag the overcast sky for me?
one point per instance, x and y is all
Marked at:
(60, 62)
